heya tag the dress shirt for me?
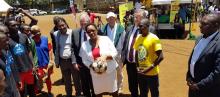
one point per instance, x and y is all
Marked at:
(112, 32)
(130, 41)
(65, 44)
(201, 45)
(82, 35)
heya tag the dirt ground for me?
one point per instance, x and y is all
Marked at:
(172, 69)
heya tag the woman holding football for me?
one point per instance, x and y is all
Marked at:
(98, 53)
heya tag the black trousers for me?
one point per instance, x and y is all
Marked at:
(70, 74)
(86, 80)
(132, 78)
(29, 90)
(147, 83)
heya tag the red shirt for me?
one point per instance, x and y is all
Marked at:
(95, 53)
(92, 17)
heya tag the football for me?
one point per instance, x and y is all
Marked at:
(99, 67)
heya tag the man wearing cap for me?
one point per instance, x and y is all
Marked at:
(116, 33)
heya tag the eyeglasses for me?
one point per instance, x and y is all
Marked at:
(140, 26)
(91, 30)
(36, 34)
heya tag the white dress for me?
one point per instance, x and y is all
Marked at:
(107, 81)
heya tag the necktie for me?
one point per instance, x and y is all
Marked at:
(85, 37)
(131, 57)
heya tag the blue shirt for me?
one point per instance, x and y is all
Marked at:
(42, 52)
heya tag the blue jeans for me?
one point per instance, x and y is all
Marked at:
(147, 83)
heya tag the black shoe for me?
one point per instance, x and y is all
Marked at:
(62, 80)
(69, 96)
(50, 95)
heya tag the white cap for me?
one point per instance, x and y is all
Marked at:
(143, 7)
(110, 14)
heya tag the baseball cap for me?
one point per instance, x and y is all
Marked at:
(111, 14)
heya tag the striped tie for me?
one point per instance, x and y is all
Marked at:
(131, 57)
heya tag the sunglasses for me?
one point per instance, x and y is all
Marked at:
(36, 35)
(140, 26)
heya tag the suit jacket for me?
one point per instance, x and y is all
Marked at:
(77, 45)
(57, 50)
(207, 70)
(126, 42)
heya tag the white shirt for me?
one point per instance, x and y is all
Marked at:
(198, 50)
(130, 41)
(65, 44)
(82, 35)
(111, 32)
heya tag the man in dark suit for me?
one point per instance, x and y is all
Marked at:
(129, 54)
(203, 76)
(79, 36)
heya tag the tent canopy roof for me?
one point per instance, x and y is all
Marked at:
(4, 6)
(163, 2)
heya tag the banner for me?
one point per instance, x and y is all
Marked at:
(122, 10)
(174, 9)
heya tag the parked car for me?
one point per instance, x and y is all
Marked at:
(59, 11)
(36, 12)
(41, 12)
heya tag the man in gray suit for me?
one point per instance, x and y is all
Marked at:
(65, 57)
(203, 76)
(79, 36)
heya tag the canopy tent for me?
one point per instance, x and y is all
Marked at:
(4, 6)
(163, 2)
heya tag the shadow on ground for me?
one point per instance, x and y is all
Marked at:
(124, 95)
(45, 94)
(58, 82)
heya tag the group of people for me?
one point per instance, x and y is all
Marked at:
(77, 50)
(27, 58)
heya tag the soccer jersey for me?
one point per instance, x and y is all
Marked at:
(146, 48)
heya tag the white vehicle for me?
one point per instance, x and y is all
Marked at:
(59, 11)
(41, 12)
(36, 12)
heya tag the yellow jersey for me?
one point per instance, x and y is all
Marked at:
(146, 48)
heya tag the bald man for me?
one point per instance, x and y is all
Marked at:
(203, 76)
